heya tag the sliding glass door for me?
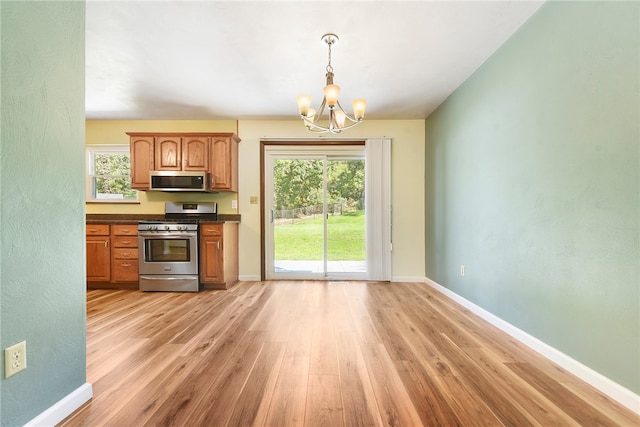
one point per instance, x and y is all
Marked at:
(314, 210)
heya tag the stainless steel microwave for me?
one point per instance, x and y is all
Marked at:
(196, 181)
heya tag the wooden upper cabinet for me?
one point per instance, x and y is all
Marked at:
(216, 153)
(168, 154)
(224, 162)
(142, 162)
(195, 153)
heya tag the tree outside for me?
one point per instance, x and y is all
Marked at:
(112, 176)
(298, 183)
(298, 198)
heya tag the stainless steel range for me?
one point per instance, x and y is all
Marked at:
(168, 249)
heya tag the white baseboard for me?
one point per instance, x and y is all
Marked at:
(63, 408)
(612, 389)
(407, 279)
(416, 279)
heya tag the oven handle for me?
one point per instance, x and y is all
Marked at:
(163, 278)
(168, 235)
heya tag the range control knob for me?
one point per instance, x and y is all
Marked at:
(166, 227)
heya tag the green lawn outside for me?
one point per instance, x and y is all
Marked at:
(303, 239)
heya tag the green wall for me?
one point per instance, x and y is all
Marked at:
(42, 286)
(532, 184)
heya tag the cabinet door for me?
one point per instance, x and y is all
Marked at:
(212, 260)
(211, 253)
(125, 229)
(195, 153)
(168, 153)
(98, 259)
(125, 242)
(221, 163)
(125, 270)
(141, 161)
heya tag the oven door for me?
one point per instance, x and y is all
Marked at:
(168, 253)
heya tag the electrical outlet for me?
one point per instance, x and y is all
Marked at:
(234, 204)
(15, 359)
(462, 270)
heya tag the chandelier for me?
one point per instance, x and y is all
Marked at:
(335, 123)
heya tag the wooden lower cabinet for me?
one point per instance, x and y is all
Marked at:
(98, 253)
(112, 256)
(218, 255)
(124, 255)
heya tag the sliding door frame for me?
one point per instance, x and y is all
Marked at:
(264, 143)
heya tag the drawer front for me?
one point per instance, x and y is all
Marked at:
(125, 229)
(124, 271)
(125, 242)
(211, 230)
(97, 229)
(125, 253)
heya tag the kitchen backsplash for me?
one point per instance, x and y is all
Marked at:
(153, 203)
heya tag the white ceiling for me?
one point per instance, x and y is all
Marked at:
(249, 60)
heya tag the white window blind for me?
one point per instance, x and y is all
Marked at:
(378, 208)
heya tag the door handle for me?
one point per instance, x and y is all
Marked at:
(272, 214)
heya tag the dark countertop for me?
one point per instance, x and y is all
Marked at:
(135, 218)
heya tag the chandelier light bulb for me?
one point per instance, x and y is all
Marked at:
(331, 93)
(359, 105)
(304, 102)
(309, 122)
(340, 118)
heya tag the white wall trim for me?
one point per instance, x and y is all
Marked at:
(63, 408)
(412, 279)
(612, 389)
(248, 278)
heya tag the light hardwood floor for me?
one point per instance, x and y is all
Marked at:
(319, 354)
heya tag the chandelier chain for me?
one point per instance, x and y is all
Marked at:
(329, 67)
